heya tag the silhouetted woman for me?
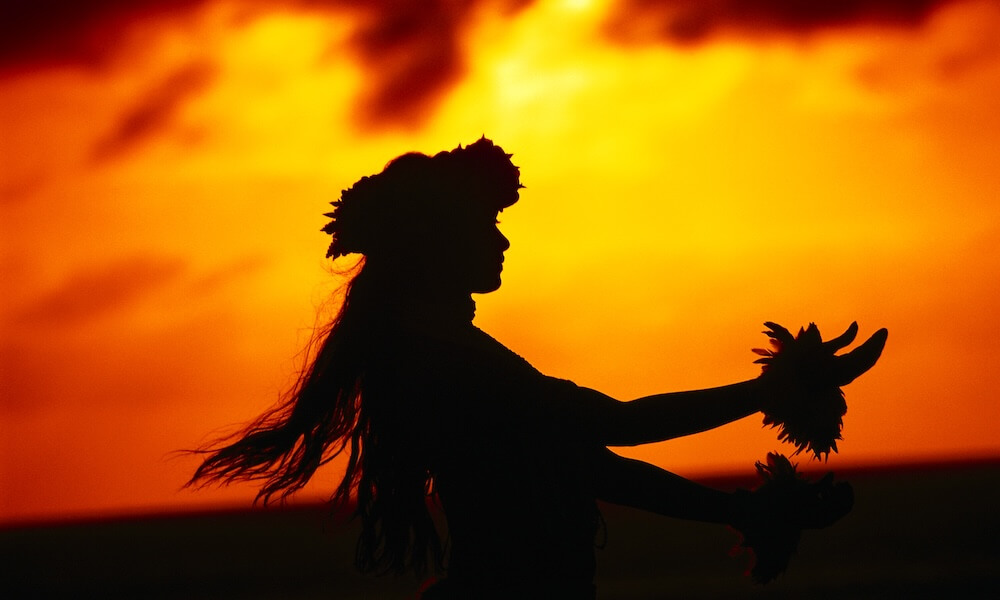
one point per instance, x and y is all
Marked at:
(424, 403)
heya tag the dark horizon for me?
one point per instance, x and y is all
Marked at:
(924, 532)
(724, 481)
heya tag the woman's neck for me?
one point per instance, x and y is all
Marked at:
(407, 297)
(438, 309)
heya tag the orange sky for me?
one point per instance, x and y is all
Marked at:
(691, 172)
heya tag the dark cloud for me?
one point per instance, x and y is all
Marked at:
(43, 33)
(692, 21)
(96, 292)
(154, 111)
(410, 50)
(410, 56)
(412, 53)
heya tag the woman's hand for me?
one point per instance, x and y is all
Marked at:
(812, 362)
(801, 377)
(771, 518)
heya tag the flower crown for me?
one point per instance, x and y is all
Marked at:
(389, 211)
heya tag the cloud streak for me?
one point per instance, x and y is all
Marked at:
(693, 21)
(154, 112)
(94, 293)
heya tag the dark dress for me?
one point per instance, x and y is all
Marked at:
(510, 452)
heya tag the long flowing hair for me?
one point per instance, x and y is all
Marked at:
(326, 412)
(324, 415)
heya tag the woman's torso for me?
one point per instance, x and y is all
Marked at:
(511, 468)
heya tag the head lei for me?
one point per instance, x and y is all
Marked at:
(415, 195)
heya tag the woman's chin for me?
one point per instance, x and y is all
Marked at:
(487, 287)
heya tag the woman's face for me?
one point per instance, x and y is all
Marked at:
(467, 254)
(476, 259)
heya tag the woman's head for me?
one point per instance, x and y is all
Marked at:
(431, 218)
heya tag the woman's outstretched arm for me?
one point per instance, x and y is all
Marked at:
(769, 519)
(805, 367)
(676, 414)
(667, 416)
(644, 486)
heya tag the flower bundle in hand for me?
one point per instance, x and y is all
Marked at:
(804, 376)
(774, 514)
(807, 410)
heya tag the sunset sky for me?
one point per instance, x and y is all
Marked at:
(693, 168)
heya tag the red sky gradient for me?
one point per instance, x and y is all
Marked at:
(692, 168)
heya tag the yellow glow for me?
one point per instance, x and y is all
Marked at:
(676, 198)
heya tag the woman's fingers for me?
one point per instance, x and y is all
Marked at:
(843, 339)
(831, 503)
(851, 365)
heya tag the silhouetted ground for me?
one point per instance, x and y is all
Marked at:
(914, 533)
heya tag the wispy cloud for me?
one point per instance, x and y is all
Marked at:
(155, 110)
(692, 21)
(102, 290)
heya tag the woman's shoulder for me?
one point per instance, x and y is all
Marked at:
(461, 345)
